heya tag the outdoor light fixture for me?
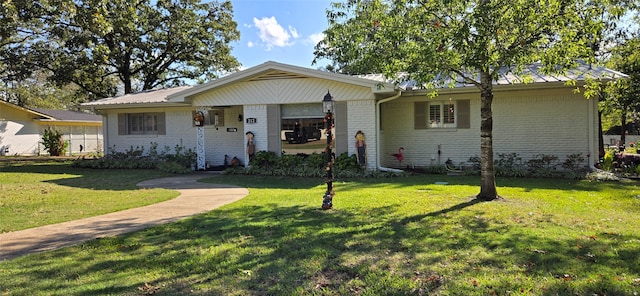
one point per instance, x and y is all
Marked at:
(240, 117)
(328, 107)
(327, 103)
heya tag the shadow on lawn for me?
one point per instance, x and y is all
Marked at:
(276, 250)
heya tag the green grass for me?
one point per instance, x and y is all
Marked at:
(36, 193)
(401, 236)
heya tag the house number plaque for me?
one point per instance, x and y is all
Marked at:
(252, 120)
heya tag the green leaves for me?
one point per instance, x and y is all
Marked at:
(101, 45)
(434, 36)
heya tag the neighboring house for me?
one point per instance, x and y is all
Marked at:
(544, 116)
(21, 130)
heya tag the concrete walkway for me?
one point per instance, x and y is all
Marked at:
(195, 198)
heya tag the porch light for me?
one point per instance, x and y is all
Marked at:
(327, 103)
(328, 107)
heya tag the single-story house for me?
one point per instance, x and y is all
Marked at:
(271, 100)
(21, 130)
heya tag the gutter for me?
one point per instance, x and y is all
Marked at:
(378, 151)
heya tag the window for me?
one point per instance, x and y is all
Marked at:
(301, 128)
(441, 114)
(141, 123)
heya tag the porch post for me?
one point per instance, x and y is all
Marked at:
(200, 154)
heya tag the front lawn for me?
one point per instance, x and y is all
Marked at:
(40, 192)
(399, 236)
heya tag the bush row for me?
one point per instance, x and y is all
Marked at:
(178, 161)
(540, 166)
(267, 163)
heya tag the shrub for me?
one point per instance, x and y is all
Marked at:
(263, 159)
(53, 142)
(345, 162)
(135, 158)
(607, 163)
(265, 163)
(573, 162)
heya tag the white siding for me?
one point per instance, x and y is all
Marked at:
(280, 91)
(19, 138)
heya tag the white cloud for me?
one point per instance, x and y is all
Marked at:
(250, 44)
(293, 31)
(315, 38)
(272, 34)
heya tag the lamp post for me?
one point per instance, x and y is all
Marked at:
(328, 107)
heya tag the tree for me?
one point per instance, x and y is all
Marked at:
(36, 91)
(102, 45)
(625, 97)
(468, 41)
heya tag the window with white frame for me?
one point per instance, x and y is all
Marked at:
(442, 114)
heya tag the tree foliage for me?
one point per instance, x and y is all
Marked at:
(624, 97)
(466, 40)
(104, 45)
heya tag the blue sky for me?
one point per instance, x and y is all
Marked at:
(283, 31)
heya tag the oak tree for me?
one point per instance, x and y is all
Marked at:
(106, 46)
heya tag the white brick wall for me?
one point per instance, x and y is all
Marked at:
(361, 116)
(179, 127)
(545, 122)
(259, 129)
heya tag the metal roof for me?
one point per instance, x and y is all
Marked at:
(273, 70)
(144, 97)
(507, 76)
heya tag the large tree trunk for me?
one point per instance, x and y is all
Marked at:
(600, 139)
(488, 179)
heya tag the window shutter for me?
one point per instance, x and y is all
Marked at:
(122, 123)
(162, 127)
(420, 115)
(340, 121)
(464, 114)
(273, 129)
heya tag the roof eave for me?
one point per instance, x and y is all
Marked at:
(68, 122)
(132, 105)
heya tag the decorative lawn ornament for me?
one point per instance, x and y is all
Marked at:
(399, 156)
(361, 149)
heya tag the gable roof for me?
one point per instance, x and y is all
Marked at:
(157, 97)
(273, 70)
(58, 116)
(66, 115)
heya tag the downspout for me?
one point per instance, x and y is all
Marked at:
(378, 152)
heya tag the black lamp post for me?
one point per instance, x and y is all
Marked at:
(328, 107)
